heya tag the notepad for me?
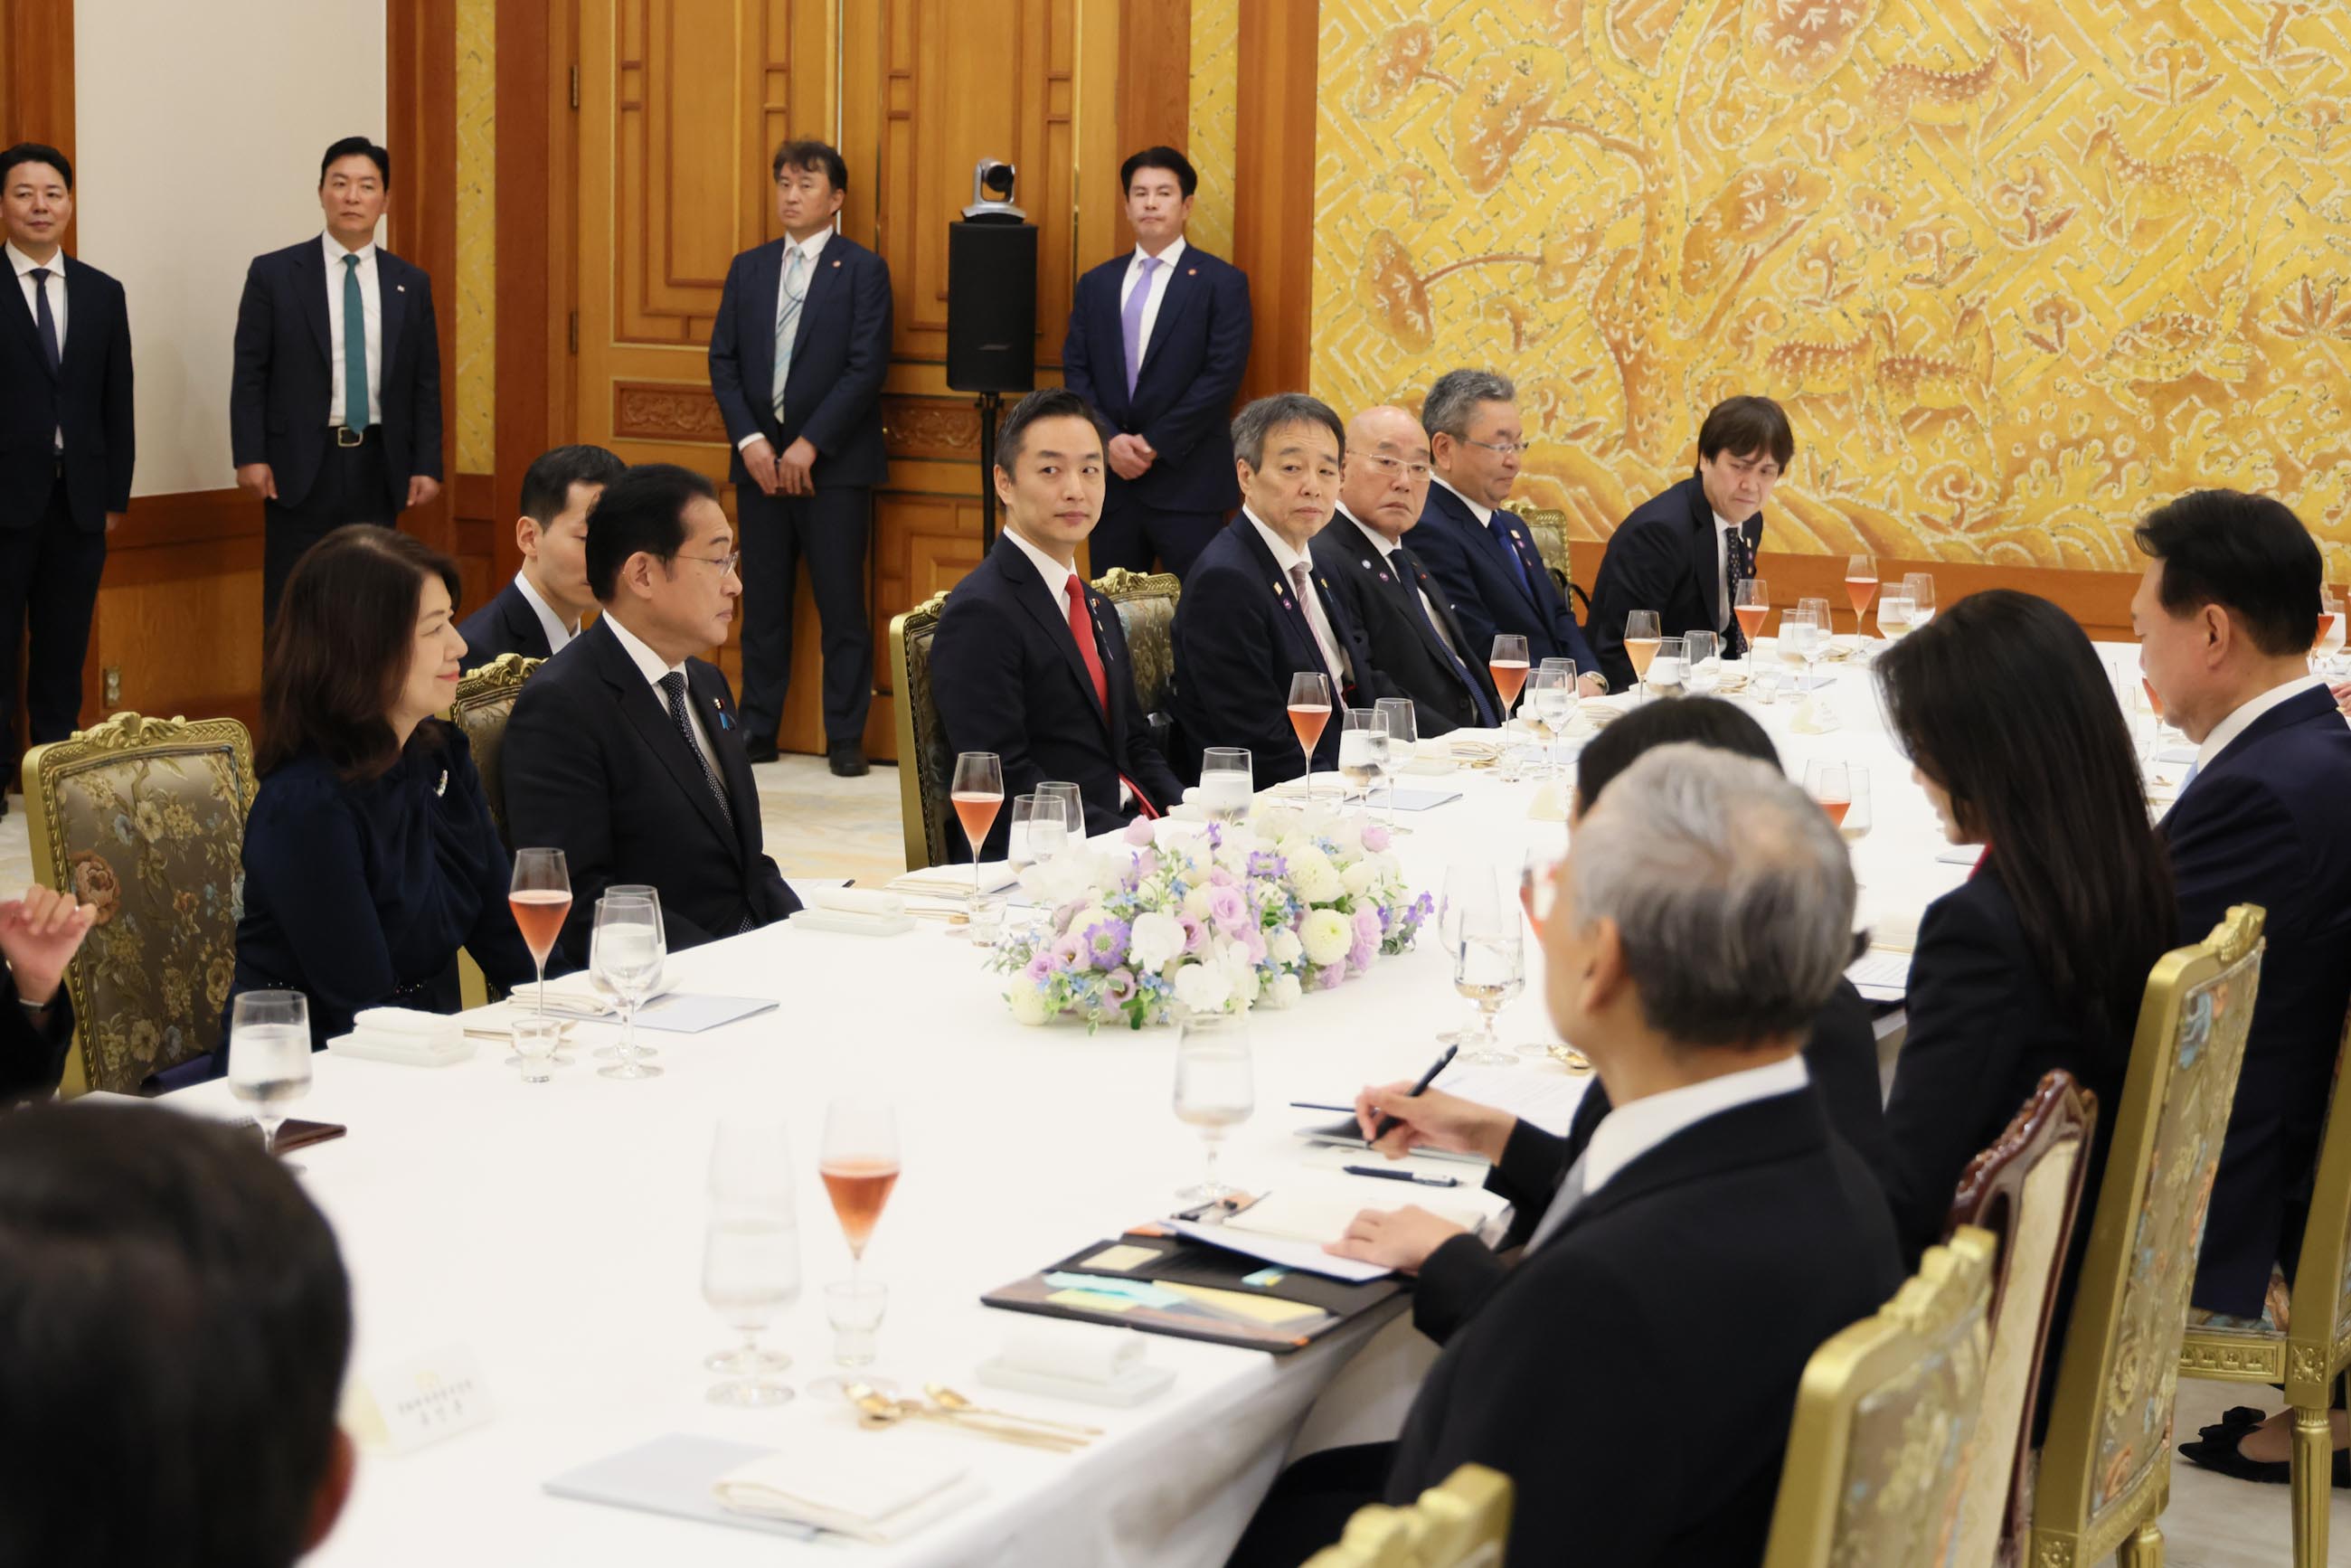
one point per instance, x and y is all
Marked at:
(1547, 1100)
(1880, 975)
(681, 1013)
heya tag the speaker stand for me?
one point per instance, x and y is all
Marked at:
(992, 413)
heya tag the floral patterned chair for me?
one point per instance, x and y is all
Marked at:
(2312, 1345)
(1877, 1452)
(1146, 613)
(2105, 1465)
(486, 700)
(1461, 1524)
(924, 768)
(145, 818)
(1549, 527)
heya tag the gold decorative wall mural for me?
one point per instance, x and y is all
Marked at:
(474, 297)
(2019, 268)
(1214, 121)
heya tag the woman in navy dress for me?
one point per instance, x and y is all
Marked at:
(369, 856)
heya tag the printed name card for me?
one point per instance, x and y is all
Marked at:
(399, 1408)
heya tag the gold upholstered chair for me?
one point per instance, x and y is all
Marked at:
(1877, 1452)
(145, 818)
(925, 768)
(2024, 1191)
(2105, 1463)
(1461, 1524)
(1549, 527)
(1146, 613)
(486, 700)
(2313, 1346)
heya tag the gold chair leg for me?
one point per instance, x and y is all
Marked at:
(2144, 1548)
(2313, 1474)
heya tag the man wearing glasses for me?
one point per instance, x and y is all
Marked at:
(1483, 557)
(1418, 648)
(624, 750)
(797, 358)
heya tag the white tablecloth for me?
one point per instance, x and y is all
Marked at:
(557, 1229)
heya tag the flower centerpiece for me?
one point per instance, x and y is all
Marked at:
(1295, 899)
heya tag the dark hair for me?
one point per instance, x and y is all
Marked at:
(2001, 701)
(546, 483)
(644, 509)
(1045, 402)
(1188, 179)
(1705, 721)
(1261, 418)
(2248, 554)
(174, 1317)
(35, 153)
(358, 147)
(339, 649)
(1744, 425)
(811, 156)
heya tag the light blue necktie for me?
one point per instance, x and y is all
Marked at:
(355, 376)
(788, 322)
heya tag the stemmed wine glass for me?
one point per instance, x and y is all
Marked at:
(539, 893)
(626, 953)
(859, 1163)
(1830, 784)
(1825, 618)
(1641, 641)
(1893, 618)
(1469, 886)
(2329, 641)
(1073, 806)
(1800, 633)
(1918, 588)
(1404, 736)
(751, 1255)
(269, 1057)
(1860, 587)
(1489, 968)
(1362, 749)
(978, 792)
(1753, 607)
(1550, 697)
(1507, 663)
(1214, 1089)
(1309, 710)
(1228, 784)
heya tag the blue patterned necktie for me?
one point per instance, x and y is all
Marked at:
(355, 368)
(672, 685)
(788, 322)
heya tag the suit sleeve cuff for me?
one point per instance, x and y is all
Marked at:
(1529, 1164)
(1454, 1280)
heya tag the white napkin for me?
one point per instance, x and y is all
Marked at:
(859, 901)
(409, 1026)
(1082, 1352)
(851, 1488)
(956, 880)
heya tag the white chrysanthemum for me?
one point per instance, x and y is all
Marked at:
(1325, 935)
(1204, 988)
(1360, 877)
(1314, 877)
(1156, 939)
(1028, 1004)
(1284, 993)
(1283, 946)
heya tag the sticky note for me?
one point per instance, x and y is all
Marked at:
(1267, 1279)
(1091, 1301)
(1120, 1257)
(1142, 1293)
(1257, 1308)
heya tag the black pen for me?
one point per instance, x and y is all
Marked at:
(1402, 1175)
(1388, 1123)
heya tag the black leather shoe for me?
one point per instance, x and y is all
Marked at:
(848, 758)
(2222, 1454)
(760, 751)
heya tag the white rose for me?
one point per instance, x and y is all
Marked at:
(1028, 1004)
(1359, 877)
(1204, 988)
(1283, 946)
(1346, 836)
(1156, 939)
(1284, 993)
(1195, 903)
(1325, 935)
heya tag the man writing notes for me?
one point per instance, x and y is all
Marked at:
(65, 445)
(1257, 611)
(796, 363)
(1484, 558)
(1683, 554)
(1030, 663)
(1696, 930)
(1157, 342)
(334, 405)
(624, 751)
(1417, 644)
(539, 612)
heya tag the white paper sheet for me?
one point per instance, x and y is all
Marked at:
(1880, 975)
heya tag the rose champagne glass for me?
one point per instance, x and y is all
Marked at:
(1507, 663)
(859, 1163)
(539, 893)
(1641, 641)
(1754, 607)
(1830, 784)
(1309, 711)
(978, 792)
(1860, 587)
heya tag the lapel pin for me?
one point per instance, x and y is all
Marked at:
(836, 262)
(443, 787)
(1191, 272)
(399, 288)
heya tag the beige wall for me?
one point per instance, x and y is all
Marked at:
(200, 127)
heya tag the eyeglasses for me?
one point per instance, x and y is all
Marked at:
(1390, 467)
(724, 563)
(1503, 448)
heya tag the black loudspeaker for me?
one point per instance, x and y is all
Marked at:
(991, 307)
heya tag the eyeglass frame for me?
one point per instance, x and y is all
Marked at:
(730, 562)
(1502, 448)
(1388, 466)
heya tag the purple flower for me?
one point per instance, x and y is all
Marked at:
(1105, 942)
(1368, 927)
(1068, 947)
(1328, 977)
(1118, 987)
(1038, 968)
(1375, 837)
(1220, 877)
(1266, 864)
(1195, 936)
(1138, 833)
(1227, 910)
(1254, 940)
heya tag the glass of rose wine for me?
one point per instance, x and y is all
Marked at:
(1309, 711)
(859, 1163)
(1641, 641)
(978, 792)
(1830, 784)
(1754, 607)
(540, 896)
(1507, 663)
(1860, 587)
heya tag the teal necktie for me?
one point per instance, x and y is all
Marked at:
(355, 379)
(788, 324)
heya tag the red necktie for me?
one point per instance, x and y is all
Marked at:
(1082, 627)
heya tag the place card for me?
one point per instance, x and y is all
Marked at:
(399, 1408)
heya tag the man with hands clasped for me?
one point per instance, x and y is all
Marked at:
(40, 934)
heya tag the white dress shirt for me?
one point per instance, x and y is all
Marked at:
(1478, 509)
(650, 665)
(1056, 576)
(557, 633)
(2241, 718)
(372, 310)
(1379, 541)
(55, 287)
(1159, 276)
(1630, 1131)
(1285, 561)
(809, 249)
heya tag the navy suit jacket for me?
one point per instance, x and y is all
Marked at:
(1408, 658)
(506, 624)
(280, 388)
(832, 394)
(594, 767)
(33, 1056)
(1661, 557)
(1488, 593)
(2266, 824)
(1239, 636)
(1191, 371)
(1007, 679)
(89, 398)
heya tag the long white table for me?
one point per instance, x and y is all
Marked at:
(556, 1230)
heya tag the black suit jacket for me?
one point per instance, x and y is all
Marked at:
(89, 398)
(1661, 557)
(1756, 1216)
(1239, 636)
(1007, 679)
(1407, 655)
(841, 351)
(1191, 371)
(281, 386)
(1486, 592)
(506, 624)
(594, 767)
(32, 1056)
(2266, 825)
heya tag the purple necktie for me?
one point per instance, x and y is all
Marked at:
(1130, 320)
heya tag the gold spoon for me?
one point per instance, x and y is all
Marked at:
(1567, 1056)
(956, 1404)
(876, 1411)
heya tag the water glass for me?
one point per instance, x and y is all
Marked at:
(652, 895)
(1668, 670)
(1488, 969)
(1469, 886)
(1073, 810)
(1215, 1089)
(1228, 784)
(1918, 588)
(269, 1056)
(1362, 731)
(1702, 659)
(1550, 699)
(626, 953)
(534, 1039)
(1801, 635)
(750, 1274)
(855, 1309)
(986, 919)
(1016, 844)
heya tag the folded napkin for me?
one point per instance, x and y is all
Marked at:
(1082, 1352)
(860, 901)
(1811, 718)
(409, 1025)
(851, 1488)
(1547, 807)
(956, 880)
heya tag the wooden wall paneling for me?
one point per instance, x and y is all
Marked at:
(533, 221)
(36, 79)
(421, 92)
(1274, 189)
(180, 610)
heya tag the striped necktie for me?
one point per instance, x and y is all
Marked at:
(788, 321)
